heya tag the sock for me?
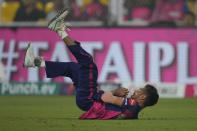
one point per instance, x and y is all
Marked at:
(42, 64)
(62, 34)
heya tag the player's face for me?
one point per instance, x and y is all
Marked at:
(139, 93)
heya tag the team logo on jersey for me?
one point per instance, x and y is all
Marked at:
(132, 102)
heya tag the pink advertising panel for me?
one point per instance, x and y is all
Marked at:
(128, 55)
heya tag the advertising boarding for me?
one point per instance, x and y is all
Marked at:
(121, 54)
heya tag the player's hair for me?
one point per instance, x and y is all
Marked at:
(152, 95)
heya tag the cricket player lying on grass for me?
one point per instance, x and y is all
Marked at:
(97, 103)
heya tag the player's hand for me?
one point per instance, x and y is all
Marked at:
(121, 92)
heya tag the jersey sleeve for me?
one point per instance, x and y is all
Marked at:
(128, 103)
(98, 95)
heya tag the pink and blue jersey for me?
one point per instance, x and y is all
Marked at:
(101, 110)
(88, 97)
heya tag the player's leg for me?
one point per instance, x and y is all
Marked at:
(83, 57)
(58, 25)
(53, 69)
(86, 93)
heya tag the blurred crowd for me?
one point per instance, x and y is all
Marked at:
(44, 10)
(162, 12)
(171, 13)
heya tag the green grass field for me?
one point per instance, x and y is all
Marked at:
(59, 113)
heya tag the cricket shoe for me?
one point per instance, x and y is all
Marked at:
(57, 24)
(29, 57)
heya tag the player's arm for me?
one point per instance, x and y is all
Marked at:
(108, 97)
(121, 92)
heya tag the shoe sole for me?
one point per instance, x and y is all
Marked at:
(56, 17)
(25, 55)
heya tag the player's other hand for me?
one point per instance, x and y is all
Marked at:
(121, 92)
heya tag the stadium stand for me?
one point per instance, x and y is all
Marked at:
(95, 10)
(105, 2)
(8, 11)
(48, 7)
(116, 12)
(39, 5)
(30, 10)
(168, 11)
